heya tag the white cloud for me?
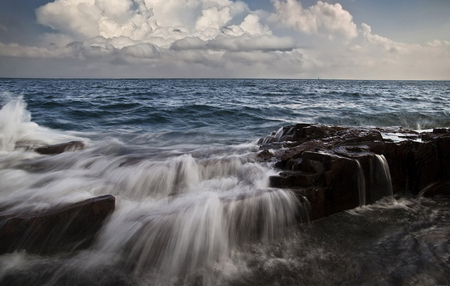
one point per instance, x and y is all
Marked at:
(250, 25)
(438, 43)
(320, 18)
(149, 29)
(383, 42)
(75, 17)
(213, 18)
(139, 19)
(221, 38)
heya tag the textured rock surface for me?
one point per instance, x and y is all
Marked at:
(338, 168)
(64, 229)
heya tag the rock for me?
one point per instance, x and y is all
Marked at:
(441, 130)
(264, 155)
(60, 148)
(337, 168)
(68, 228)
(443, 149)
(441, 187)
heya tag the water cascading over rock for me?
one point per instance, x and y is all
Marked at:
(338, 168)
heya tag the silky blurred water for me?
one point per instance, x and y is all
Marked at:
(193, 205)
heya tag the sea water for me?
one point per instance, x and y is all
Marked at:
(193, 205)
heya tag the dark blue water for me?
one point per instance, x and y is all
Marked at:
(226, 111)
(179, 156)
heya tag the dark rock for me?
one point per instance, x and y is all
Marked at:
(443, 149)
(439, 188)
(60, 148)
(64, 229)
(265, 155)
(334, 166)
(441, 130)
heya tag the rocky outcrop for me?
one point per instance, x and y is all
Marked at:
(338, 168)
(60, 148)
(63, 229)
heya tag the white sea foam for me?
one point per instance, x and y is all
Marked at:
(18, 131)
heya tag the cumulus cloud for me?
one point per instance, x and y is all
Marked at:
(221, 38)
(125, 30)
(383, 42)
(320, 18)
(140, 19)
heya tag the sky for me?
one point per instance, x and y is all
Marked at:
(345, 39)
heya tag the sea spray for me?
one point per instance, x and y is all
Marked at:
(17, 131)
(14, 119)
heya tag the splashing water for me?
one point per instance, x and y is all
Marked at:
(176, 213)
(14, 120)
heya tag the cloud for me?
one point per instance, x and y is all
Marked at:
(122, 31)
(210, 38)
(139, 19)
(240, 43)
(438, 43)
(383, 42)
(75, 17)
(322, 18)
(15, 50)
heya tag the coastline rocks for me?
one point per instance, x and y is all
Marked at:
(67, 228)
(60, 148)
(338, 168)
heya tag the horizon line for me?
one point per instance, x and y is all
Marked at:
(209, 78)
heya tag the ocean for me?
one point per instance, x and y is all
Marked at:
(179, 156)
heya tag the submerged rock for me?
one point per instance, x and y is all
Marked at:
(63, 229)
(60, 148)
(338, 168)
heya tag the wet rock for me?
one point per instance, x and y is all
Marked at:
(438, 188)
(443, 149)
(337, 168)
(441, 130)
(60, 148)
(63, 229)
(264, 155)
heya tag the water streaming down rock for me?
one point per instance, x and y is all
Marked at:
(361, 184)
(177, 237)
(194, 213)
(383, 177)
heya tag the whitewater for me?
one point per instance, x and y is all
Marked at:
(193, 202)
